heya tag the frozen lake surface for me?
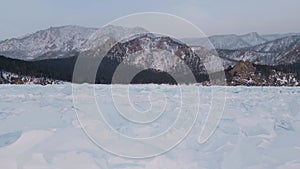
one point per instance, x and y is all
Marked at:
(259, 129)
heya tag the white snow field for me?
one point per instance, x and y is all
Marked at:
(260, 129)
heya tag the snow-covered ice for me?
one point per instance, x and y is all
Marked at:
(260, 129)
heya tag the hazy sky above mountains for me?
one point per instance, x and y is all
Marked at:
(19, 17)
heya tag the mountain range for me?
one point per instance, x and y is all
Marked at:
(279, 51)
(232, 41)
(59, 42)
(52, 53)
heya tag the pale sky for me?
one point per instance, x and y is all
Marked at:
(19, 17)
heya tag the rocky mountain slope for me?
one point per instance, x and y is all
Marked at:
(12, 78)
(250, 74)
(163, 53)
(153, 53)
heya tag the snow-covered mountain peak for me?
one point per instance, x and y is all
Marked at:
(230, 41)
(281, 51)
(57, 42)
(251, 35)
(54, 39)
(253, 38)
(279, 45)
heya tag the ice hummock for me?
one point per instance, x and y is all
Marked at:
(260, 128)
